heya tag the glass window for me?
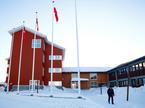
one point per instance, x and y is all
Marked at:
(55, 57)
(93, 84)
(74, 75)
(112, 74)
(34, 83)
(55, 70)
(144, 64)
(136, 66)
(93, 76)
(140, 66)
(133, 68)
(36, 43)
(130, 68)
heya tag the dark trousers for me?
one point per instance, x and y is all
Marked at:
(112, 100)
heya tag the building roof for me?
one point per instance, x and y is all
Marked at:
(128, 63)
(38, 34)
(86, 69)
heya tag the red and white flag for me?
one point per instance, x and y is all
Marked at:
(55, 12)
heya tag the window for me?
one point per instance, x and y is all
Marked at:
(56, 70)
(140, 66)
(93, 76)
(119, 72)
(93, 84)
(130, 68)
(136, 66)
(36, 43)
(34, 83)
(55, 57)
(112, 74)
(74, 75)
(144, 64)
(133, 67)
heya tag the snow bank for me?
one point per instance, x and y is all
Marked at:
(67, 98)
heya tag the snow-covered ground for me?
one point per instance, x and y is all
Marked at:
(68, 99)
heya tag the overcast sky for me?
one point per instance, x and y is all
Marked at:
(111, 32)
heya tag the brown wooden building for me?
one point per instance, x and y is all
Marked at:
(90, 77)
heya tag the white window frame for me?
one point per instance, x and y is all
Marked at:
(36, 43)
(34, 85)
(55, 57)
(55, 70)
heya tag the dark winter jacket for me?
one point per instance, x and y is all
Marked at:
(110, 92)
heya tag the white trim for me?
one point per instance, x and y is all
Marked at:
(55, 70)
(81, 79)
(55, 57)
(27, 29)
(86, 69)
(55, 83)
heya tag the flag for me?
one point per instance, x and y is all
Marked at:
(55, 13)
(37, 27)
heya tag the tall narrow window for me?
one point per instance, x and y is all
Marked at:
(36, 43)
(144, 64)
(140, 65)
(136, 66)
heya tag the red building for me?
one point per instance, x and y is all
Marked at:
(21, 58)
(131, 73)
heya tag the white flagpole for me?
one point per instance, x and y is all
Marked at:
(33, 64)
(20, 59)
(51, 78)
(77, 40)
(8, 82)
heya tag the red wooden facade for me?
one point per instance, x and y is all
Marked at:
(42, 61)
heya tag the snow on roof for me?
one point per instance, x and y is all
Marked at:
(81, 79)
(27, 29)
(37, 33)
(86, 69)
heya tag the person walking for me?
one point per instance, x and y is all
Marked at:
(110, 93)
